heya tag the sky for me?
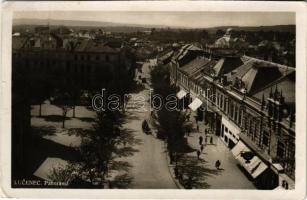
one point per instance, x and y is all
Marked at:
(181, 19)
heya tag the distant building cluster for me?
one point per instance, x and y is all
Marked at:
(248, 102)
(272, 50)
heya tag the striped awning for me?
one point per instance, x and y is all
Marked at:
(181, 94)
(254, 165)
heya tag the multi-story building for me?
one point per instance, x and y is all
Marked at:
(250, 104)
(85, 62)
(61, 61)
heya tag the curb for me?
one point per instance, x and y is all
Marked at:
(170, 167)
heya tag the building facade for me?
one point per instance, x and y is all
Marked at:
(250, 104)
(85, 62)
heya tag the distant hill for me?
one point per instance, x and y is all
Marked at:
(281, 28)
(108, 26)
(121, 27)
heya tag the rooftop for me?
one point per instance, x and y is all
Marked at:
(195, 65)
(256, 74)
(89, 45)
(18, 42)
(226, 65)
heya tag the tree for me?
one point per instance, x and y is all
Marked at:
(75, 94)
(170, 123)
(100, 149)
(63, 100)
(40, 88)
(108, 141)
(192, 172)
(219, 33)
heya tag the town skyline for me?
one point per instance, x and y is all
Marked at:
(158, 19)
(153, 108)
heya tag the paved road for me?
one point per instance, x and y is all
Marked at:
(150, 167)
(231, 177)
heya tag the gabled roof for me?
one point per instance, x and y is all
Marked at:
(194, 66)
(226, 65)
(89, 45)
(285, 84)
(165, 55)
(18, 42)
(184, 50)
(255, 74)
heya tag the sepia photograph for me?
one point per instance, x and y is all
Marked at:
(153, 100)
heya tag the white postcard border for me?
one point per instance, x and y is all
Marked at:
(5, 99)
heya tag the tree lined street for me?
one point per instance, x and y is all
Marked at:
(149, 164)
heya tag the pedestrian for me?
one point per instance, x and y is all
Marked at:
(211, 140)
(200, 140)
(176, 172)
(198, 154)
(189, 183)
(197, 127)
(188, 117)
(217, 164)
(202, 148)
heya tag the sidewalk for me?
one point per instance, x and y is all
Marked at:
(230, 176)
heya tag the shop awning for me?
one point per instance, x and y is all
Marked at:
(181, 94)
(252, 163)
(240, 147)
(278, 167)
(195, 104)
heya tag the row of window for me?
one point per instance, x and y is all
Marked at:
(183, 79)
(229, 107)
(77, 57)
(82, 57)
(45, 66)
(225, 129)
(250, 124)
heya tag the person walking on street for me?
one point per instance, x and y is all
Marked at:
(211, 140)
(201, 148)
(188, 132)
(217, 164)
(200, 140)
(198, 154)
(188, 117)
(197, 127)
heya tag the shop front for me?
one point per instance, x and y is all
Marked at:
(257, 169)
(230, 132)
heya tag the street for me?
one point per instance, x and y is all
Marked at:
(229, 176)
(150, 167)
